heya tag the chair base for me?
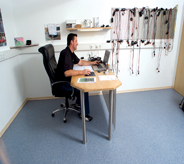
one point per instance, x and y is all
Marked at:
(66, 110)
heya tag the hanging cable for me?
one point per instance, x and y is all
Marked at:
(138, 70)
(138, 26)
(160, 46)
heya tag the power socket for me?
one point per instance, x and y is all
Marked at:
(1, 57)
(92, 46)
(98, 46)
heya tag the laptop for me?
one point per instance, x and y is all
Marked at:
(102, 66)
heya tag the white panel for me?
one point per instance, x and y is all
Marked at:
(12, 89)
(36, 80)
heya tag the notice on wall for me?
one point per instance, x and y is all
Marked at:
(52, 29)
(52, 32)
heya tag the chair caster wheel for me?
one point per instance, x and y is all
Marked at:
(64, 121)
(52, 114)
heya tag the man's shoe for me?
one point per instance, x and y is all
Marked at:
(87, 117)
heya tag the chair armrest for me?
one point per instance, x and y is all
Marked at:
(59, 82)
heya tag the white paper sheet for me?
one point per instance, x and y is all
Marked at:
(77, 67)
(88, 67)
(52, 29)
(107, 77)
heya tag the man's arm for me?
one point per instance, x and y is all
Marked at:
(71, 72)
(86, 63)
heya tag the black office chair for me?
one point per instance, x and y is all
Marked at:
(50, 65)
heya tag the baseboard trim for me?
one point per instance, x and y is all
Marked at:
(52, 97)
(144, 89)
(13, 117)
(90, 94)
(42, 98)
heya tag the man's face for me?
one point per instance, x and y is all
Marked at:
(74, 43)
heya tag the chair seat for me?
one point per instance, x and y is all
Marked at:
(59, 92)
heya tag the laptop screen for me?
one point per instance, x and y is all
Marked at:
(106, 57)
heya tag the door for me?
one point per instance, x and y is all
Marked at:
(179, 79)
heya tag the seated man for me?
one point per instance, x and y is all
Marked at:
(65, 70)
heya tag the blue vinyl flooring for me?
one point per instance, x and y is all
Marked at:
(149, 130)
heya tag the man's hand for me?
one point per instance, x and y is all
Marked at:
(86, 72)
(96, 62)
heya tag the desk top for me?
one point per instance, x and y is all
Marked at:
(98, 86)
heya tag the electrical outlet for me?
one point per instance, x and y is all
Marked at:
(1, 57)
(92, 46)
(98, 46)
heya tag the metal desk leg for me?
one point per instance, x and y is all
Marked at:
(110, 114)
(83, 116)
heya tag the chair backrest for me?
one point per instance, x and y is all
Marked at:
(49, 60)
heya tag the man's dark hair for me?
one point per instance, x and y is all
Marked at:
(70, 37)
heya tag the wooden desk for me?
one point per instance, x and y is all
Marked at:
(110, 85)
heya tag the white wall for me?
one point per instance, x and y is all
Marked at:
(32, 15)
(37, 83)
(12, 90)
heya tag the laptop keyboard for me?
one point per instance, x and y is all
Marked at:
(99, 66)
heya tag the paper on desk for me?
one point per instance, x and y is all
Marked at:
(88, 67)
(77, 67)
(107, 77)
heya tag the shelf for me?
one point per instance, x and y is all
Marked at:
(90, 29)
(24, 46)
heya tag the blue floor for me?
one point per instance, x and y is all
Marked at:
(149, 130)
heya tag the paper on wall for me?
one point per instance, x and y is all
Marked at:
(52, 29)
